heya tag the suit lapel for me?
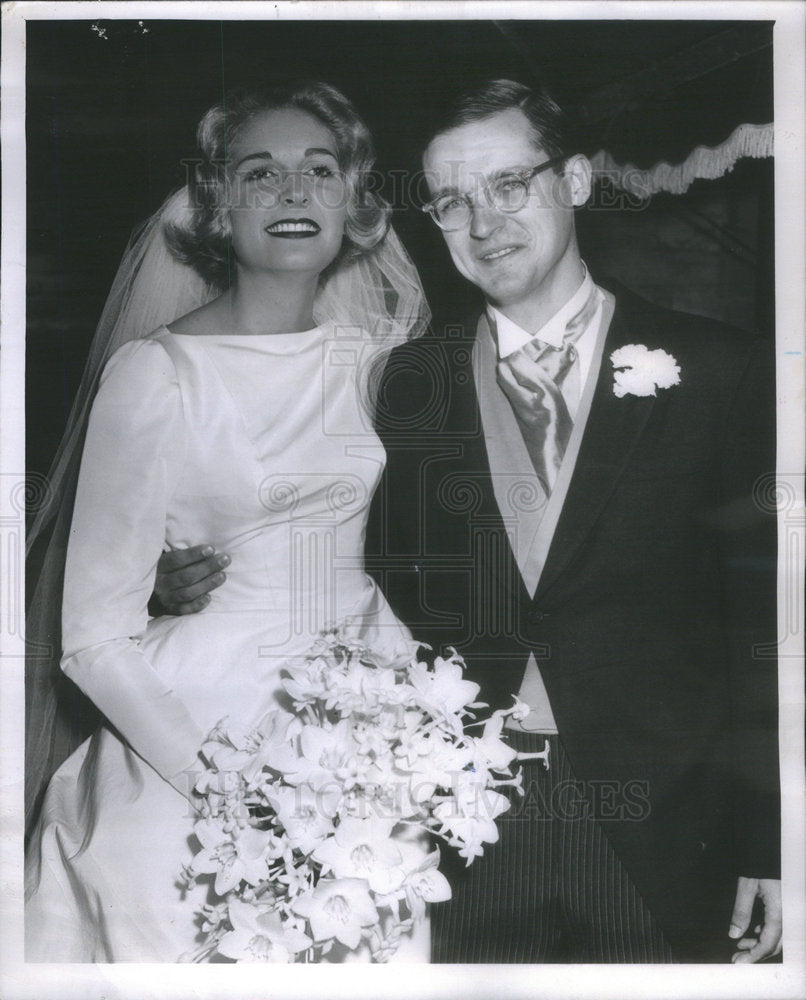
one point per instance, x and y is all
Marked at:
(613, 428)
(465, 423)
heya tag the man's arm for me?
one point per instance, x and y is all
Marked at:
(185, 578)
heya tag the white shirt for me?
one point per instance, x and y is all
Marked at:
(510, 337)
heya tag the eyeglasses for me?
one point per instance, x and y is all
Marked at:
(507, 193)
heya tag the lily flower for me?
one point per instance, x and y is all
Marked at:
(426, 884)
(443, 691)
(230, 748)
(432, 761)
(260, 936)
(363, 848)
(308, 683)
(490, 752)
(315, 755)
(306, 815)
(242, 854)
(297, 879)
(473, 822)
(338, 908)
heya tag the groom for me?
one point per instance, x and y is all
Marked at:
(568, 500)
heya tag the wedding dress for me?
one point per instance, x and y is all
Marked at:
(260, 446)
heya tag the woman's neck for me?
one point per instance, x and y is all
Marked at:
(259, 304)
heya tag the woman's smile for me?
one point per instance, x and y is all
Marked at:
(294, 229)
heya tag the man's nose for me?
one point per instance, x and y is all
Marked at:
(484, 220)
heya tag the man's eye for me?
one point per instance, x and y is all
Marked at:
(507, 185)
(450, 204)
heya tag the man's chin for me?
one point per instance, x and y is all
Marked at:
(502, 278)
(502, 292)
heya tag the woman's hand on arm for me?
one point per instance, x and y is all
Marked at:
(185, 579)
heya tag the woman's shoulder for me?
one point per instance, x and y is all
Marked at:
(140, 394)
(153, 357)
(201, 322)
(143, 366)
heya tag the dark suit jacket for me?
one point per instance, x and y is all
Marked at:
(654, 622)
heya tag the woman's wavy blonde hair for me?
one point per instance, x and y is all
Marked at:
(204, 240)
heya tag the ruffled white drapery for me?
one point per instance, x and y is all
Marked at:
(704, 162)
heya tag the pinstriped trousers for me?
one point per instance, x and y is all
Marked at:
(550, 890)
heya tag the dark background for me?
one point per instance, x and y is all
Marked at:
(112, 109)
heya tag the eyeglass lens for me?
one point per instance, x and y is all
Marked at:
(507, 194)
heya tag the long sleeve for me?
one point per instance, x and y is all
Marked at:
(132, 456)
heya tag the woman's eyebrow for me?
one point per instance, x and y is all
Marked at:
(266, 155)
(320, 149)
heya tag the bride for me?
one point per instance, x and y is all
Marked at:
(244, 422)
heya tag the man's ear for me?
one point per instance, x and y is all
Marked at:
(578, 175)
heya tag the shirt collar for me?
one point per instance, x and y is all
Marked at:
(510, 337)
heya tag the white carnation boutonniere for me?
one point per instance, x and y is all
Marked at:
(641, 372)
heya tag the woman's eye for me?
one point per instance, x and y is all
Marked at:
(263, 174)
(321, 170)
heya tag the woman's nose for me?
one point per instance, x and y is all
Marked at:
(293, 190)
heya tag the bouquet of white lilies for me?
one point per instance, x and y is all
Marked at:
(318, 825)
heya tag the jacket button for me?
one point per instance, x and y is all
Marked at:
(536, 616)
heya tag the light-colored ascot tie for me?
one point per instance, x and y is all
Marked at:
(532, 379)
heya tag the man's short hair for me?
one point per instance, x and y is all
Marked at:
(548, 120)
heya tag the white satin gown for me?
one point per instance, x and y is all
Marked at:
(260, 446)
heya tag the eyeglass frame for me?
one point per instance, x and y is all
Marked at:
(527, 176)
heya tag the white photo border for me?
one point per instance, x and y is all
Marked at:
(221, 982)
